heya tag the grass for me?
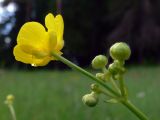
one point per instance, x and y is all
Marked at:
(56, 95)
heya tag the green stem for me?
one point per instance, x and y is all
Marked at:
(115, 85)
(107, 93)
(127, 103)
(112, 81)
(135, 110)
(72, 65)
(122, 86)
(12, 111)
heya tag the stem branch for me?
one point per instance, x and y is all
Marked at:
(115, 85)
(72, 65)
(122, 86)
(126, 102)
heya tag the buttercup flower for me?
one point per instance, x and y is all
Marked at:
(35, 43)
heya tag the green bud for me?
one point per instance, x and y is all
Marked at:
(99, 62)
(95, 88)
(107, 76)
(113, 68)
(120, 51)
(90, 99)
(100, 76)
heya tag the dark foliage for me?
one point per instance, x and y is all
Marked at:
(92, 26)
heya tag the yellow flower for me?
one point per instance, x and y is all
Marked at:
(35, 44)
(9, 99)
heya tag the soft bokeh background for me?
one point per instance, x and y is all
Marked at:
(54, 92)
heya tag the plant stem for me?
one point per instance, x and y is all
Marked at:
(122, 86)
(126, 102)
(12, 111)
(115, 85)
(112, 81)
(72, 65)
(135, 110)
(107, 93)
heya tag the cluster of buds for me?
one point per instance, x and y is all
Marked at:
(119, 52)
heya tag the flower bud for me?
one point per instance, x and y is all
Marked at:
(95, 88)
(99, 62)
(100, 76)
(90, 99)
(9, 99)
(107, 76)
(113, 68)
(120, 51)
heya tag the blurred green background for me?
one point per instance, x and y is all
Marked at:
(54, 92)
(56, 95)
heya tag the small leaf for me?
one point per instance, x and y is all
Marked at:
(112, 101)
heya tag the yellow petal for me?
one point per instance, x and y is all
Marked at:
(52, 39)
(42, 62)
(60, 26)
(56, 24)
(49, 22)
(32, 33)
(22, 56)
(60, 45)
(38, 53)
